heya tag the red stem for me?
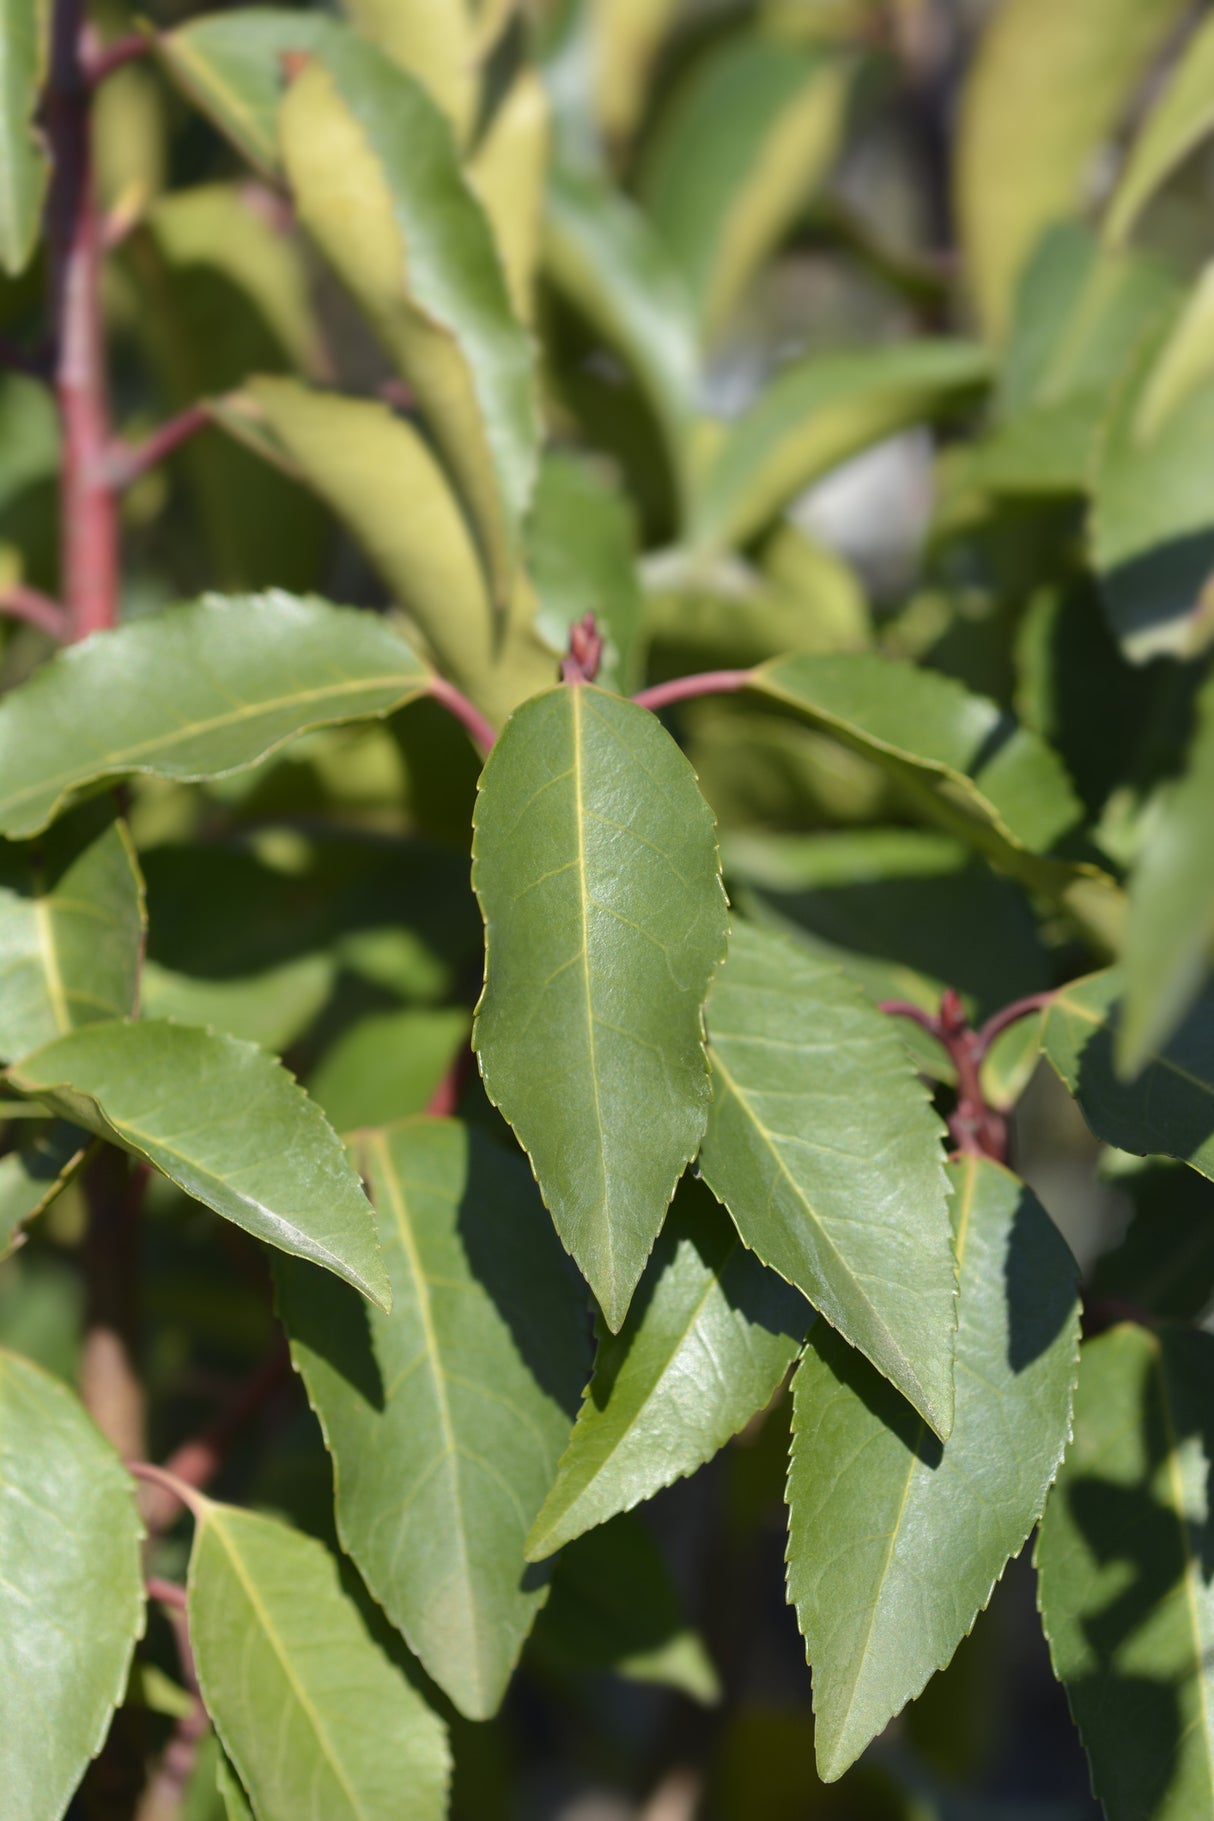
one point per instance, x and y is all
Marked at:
(903, 1008)
(167, 1592)
(102, 60)
(683, 689)
(1011, 1014)
(165, 1482)
(125, 463)
(470, 717)
(35, 608)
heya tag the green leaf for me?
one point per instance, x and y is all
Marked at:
(708, 1339)
(387, 1065)
(628, 37)
(446, 1420)
(24, 164)
(1045, 90)
(315, 1718)
(71, 1588)
(379, 186)
(1170, 927)
(71, 930)
(581, 555)
(231, 1791)
(1124, 1587)
(745, 141)
(1152, 524)
(615, 1610)
(1165, 1263)
(959, 759)
(435, 41)
(363, 461)
(823, 1146)
(32, 1176)
(509, 173)
(816, 413)
(194, 692)
(1168, 1109)
(595, 863)
(227, 1124)
(895, 1543)
(1180, 119)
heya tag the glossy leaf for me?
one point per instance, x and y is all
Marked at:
(823, 1146)
(71, 1588)
(1170, 928)
(747, 138)
(32, 1175)
(816, 413)
(71, 930)
(317, 1721)
(895, 1542)
(509, 173)
(228, 1124)
(1045, 89)
(708, 1339)
(595, 863)
(378, 185)
(446, 1420)
(195, 692)
(24, 164)
(1168, 1108)
(1121, 1561)
(1179, 120)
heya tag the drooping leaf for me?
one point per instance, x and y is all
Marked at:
(1170, 928)
(509, 173)
(595, 863)
(1045, 89)
(31, 1176)
(747, 138)
(71, 1588)
(1152, 524)
(379, 186)
(816, 413)
(1168, 1108)
(824, 1148)
(24, 164)
(708, 1338)
(365, 463)
(1123, 1584)
(71, 930)
(316, 1719)
(228, 1124)
(581, 556)
(195, 692)
(896, 1542)
(446, 1420)
(1180, 119)
(435, 41)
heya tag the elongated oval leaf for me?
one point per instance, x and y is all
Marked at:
(824, 1148)
(378, 184)
(194, 692)
(1168, 1108)
(595, 863)
(228, 1124)
(708, 1338)
(315, 1718)
(446, 1419)
(509, 173)
(1044, 91)
(1122, 1564)
(1180, 119)
(24, 165)
(71, 930)
(435, 40)
(895, 1542)
(71, 1589)
(814, 415)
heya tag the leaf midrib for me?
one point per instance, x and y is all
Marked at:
(574, 694)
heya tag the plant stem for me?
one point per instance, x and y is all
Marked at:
(168, 1482)
(684, 689)
(169, 1783)
(1011, 1014)
(37, 609)
(101, 61)
(168, 1593)
(124, 463)
(466, 713)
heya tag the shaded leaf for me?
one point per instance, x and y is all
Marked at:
(387, 1065)
(595, 863)
(446, 1420)
(316, 1719)
(71, 930)
(824, 1148)
(708, 1339)
(1182, 116)
(24, 164)
(228, 1124)
(1123, 1584)
(895, 1542)
(32, 1175)
(71, 1588)
(1165, 1262)
(194, 692)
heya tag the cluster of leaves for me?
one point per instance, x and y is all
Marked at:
(237, 828)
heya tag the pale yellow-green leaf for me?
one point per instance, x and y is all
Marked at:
(1047, 87)
(508, 173)
(435, 41)
(626, 36)
(1177, 123)
(24, 165)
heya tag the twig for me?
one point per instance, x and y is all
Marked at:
(101, 61)
(466, 713)
(684, 689)
(167, 1482)
(168, 1593)
(19, 602)
(1011, 1014)
(124, 463)
(903, 1008)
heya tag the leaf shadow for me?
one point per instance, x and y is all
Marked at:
(1167, 586)
(330, 1320)
(1169, 1107)
(876, 1393)
(1039, 1301)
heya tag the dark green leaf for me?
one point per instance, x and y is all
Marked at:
(32, 1175)
(708, 1339)
(226, 1123)
(595, 863)
(1165, 1262)
(446, 1421)
(71, 1589)
(824, 1148)
(895, 1542)
(24, 164)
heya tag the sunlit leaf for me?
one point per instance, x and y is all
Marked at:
(508, 172)
(435, 41)
(24, 164)
(1180, 119)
